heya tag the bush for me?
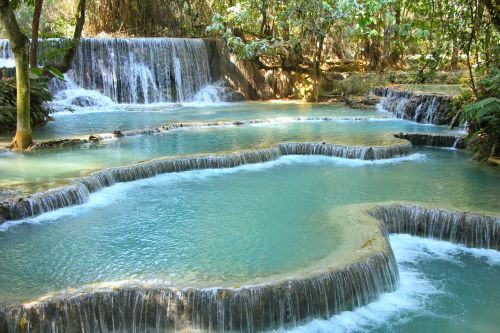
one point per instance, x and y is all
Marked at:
(40, 111)
(483, 118)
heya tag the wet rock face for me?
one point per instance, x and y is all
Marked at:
(433, 140)
(421, 108)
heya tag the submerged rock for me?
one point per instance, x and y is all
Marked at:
(57, 144)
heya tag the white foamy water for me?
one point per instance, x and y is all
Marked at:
(69, 99)
(411, 298)
(209, 94)
(7, 63)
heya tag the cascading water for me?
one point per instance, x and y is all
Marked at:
(247, 309)
(469, 229)
(79, 191)
(136, 70)
(142, 70)
(279, 304)
(421, 108)
(431, 111)
(6, 55)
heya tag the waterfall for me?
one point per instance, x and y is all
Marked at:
(135, 70)
(142, 70)
(469, 229)
(6, 55)
(421, 108)
(78, 192)
(274, 305)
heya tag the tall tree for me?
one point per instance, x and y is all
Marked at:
(35, 27)
(80, 22)
(20, 44)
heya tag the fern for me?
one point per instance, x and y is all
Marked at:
(484, 119)
(486, 110)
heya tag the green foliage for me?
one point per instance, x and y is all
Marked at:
(40, 112)
(483, 117)
(486, 111)
(47, 69)
(489, 86)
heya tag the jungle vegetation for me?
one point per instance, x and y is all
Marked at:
(307, 36)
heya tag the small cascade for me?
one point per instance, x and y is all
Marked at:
(433, 140)
(280, 304)
(349, 152)
(67, 94)
(45, 55)
(430, 115)
(418, 113)
(212, 93)
(40, 203)
(459, 143)
(78, 192)
(469, 229)
(421, 108)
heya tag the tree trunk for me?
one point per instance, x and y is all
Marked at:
(468, 49)
(395, 55)
(387, 38)
(20, 47)
(35, 27)
(70, 53)
(317, 75)
(372, 53)
(493, 7)
(454, 57)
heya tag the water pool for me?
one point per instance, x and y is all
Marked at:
(444, 288)
(17, 173)
(225, 227)
(85, 121)
(241, 226)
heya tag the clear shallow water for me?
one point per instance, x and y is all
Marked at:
(228, 225)
(445, 89)
(444, 288)
(91, 120)
(177, 228)
(17, 171)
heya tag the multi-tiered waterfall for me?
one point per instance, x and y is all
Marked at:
(137, 70)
